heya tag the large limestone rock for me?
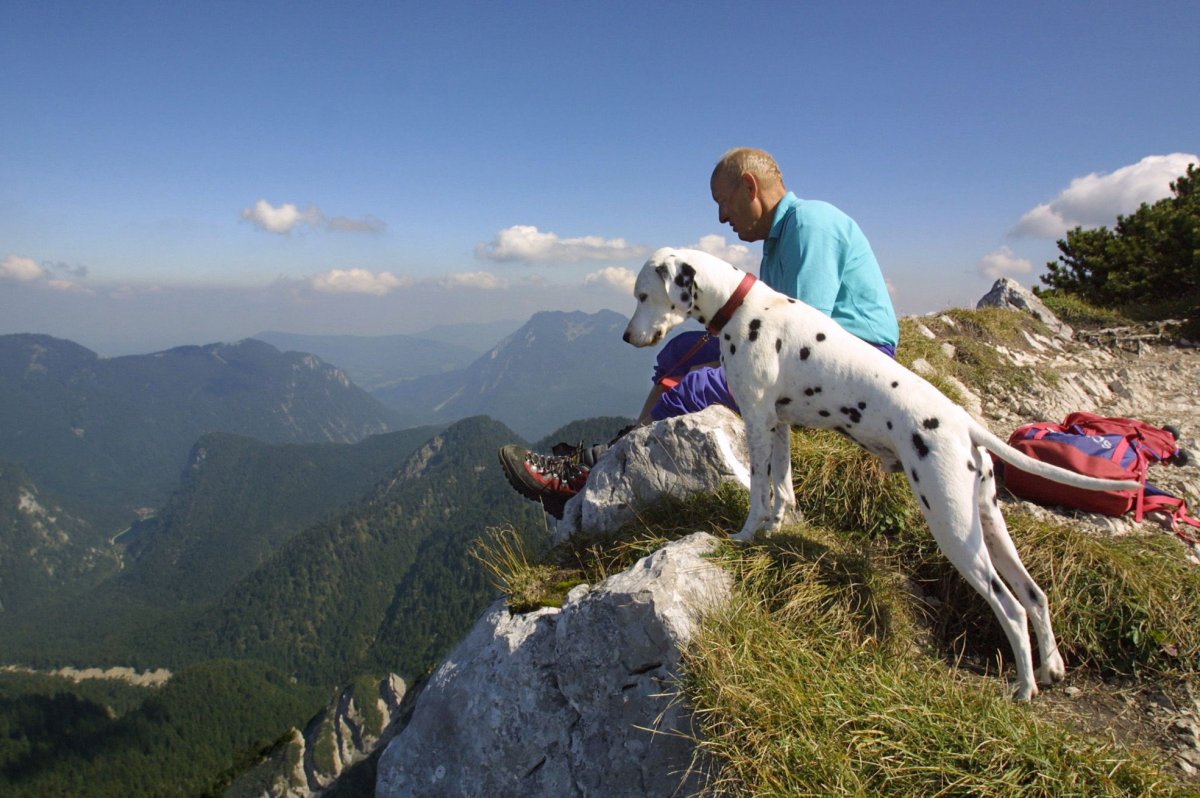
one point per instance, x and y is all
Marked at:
(676, 457)
(566, 702)
(1008, 293)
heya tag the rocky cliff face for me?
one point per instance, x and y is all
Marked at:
(344, 733)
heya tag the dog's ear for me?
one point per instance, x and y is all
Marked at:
(686, 275)
(662, 271)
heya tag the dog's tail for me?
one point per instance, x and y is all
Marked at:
(981, 436)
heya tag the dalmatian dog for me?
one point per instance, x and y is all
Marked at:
(789, 364)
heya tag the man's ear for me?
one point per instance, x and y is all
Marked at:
(751, 184)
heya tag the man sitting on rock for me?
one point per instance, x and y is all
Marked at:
(811, 251)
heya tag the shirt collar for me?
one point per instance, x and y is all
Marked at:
(789, 200)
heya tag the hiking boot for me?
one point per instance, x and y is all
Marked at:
(579, 454)
(549, 479)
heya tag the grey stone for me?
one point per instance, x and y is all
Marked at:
(571, 702)
(1008, 293)
(675, 457)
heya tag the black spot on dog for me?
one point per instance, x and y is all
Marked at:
(701, 320)
(914, 476)
(783, 400)
(754, 325)
(768, 469)
(778, 344)
(895, 384)
(733, 349)
(820, 336)
(889, 425)
(852, 413)
(804, 353)
(1033, 596)
(862, 405)
(687, 269)
(925, 502)
(809, 391)
(920, 445)
(996, 586)
(791, 301)
(823, 413)
(726, 336)
(930, 423)
(971, 467)
(995, 500)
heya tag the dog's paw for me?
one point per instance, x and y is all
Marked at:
(748, 531)
(1052, 670)
(1024, 692)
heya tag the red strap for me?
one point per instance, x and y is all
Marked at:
(668, 381)
(727, 310)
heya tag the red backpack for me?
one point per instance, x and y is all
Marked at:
(1107, 448)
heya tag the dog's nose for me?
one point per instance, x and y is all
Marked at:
(625, 337)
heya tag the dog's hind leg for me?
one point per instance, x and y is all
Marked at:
(783, 493)
(956, 526)
(1008, 562)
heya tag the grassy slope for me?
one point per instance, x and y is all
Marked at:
(833, 671)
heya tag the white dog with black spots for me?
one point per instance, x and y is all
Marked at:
(789, 364)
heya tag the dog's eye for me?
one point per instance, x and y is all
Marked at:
(643, 297)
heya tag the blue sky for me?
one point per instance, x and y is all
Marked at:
(188, 172)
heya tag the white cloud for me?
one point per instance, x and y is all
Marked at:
(68, 285)
(737, 254)
(612, 277)
(21, 270)
(527, 244)
(283, 219)
(287, 217)
(358, 281)
(1096, 200)
(1003, 263)
(484, 281)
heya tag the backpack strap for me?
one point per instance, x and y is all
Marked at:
(1176, 509)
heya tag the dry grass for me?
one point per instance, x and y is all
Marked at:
(799, 693)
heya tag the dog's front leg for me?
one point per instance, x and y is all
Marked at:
(759, 441)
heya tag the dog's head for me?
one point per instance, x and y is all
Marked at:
(665, 296)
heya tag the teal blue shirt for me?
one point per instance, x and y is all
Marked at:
(818, 255)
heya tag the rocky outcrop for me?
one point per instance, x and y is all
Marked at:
(348, 730)
(566, 702)
(675, 457)
(1008, 293)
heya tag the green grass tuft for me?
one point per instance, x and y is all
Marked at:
(797, 694)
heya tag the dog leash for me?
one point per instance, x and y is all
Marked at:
(668, 382)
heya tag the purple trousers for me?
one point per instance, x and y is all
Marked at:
(702, 387)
